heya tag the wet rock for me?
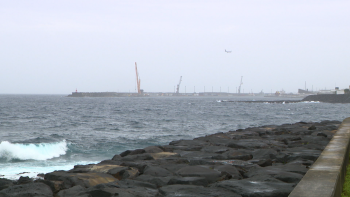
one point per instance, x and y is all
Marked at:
(132, 152)
(29, 189)
(195, 191)
(229, 171)
(248, 144)
(188, 181)
(133, 183)
(83, 179)
(118, 172)
(253, 188)
(200, 171)
(144, 156)
(283, 173)
(235, 154)
(264, 154)
(5, 183)
(108, 191)
(216, 141)
(157, 171)
(264, 162)
(153, 149)
(313, 127)
(131, 173)
(215, 149)
(158, 181)
(77, 191)
(24, 180)
(189, 143)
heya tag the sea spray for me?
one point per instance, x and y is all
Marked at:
(41, 151)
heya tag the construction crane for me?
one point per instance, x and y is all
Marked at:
(240, 85)
(138, 80)
(178, 86)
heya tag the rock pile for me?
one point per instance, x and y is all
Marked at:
(262, 161)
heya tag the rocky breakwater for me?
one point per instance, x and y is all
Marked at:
(262, 161)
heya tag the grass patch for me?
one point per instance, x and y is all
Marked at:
(346, 186)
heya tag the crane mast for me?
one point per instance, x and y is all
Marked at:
(138, 80)
(240, 85)
(178, 86)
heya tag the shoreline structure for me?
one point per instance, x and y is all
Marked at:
(260, 161)
(327, 98)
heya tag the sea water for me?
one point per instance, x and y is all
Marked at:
(43, 133)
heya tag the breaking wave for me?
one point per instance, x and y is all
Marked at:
(40, 151)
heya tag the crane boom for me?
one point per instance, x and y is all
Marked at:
(178, 86)
(138, 80)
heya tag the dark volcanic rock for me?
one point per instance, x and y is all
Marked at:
(252, 162)
(229, 171)
(248, 144)
(5, 183)
(158, 181)
(188, 181)
(253, 188)
(30, 190)
(200, 171)
(236, 154)
(156, 171)
(24, 180)
(68, 180)
(195, 191)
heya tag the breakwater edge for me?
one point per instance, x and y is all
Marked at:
(260, 161)
(88, 130)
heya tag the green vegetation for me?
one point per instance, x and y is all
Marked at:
(346, 186)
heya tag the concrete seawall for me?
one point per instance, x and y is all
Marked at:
(326, 176)
(329, 98)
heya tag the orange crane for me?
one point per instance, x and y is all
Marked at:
(138, 80)
(178, 86)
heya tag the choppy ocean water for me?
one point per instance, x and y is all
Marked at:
(43, 133)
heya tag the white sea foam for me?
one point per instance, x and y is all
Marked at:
(33, 168)
(41, 151)
(310, 102)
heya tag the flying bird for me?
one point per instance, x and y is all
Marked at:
(228, 51)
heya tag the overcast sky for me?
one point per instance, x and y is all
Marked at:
(54, 47)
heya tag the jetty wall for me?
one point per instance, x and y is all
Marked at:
(326, 176)
(329, 98)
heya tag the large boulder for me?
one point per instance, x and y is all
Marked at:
(5, 183)
(236, 155)
(69, 180)
(108, 191)
(156, 171)
(158, 181)
(188, 181)
(76, 191)
(255, 188)
(264, 154)
(195, 191)
(248, 144)
(281, 173)
(215, 149)
(27, 190)
(229, 171)
(153, 149)
(200, 171)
